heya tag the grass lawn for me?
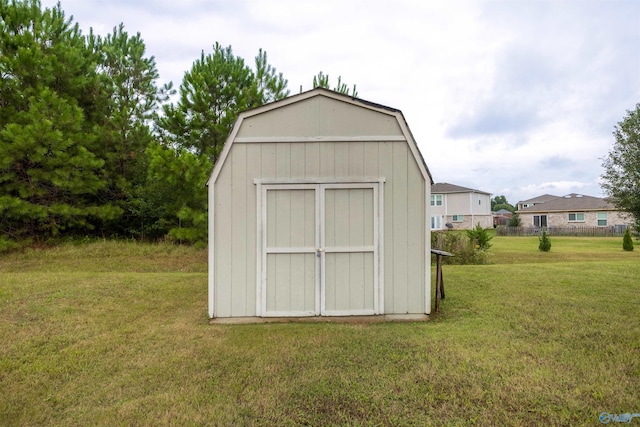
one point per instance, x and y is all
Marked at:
(113, 333)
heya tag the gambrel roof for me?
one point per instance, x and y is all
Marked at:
(286, 128)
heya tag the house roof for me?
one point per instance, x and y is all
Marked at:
(571, 202)
(503, 212)
(444, 187)
(408, 136)
(539, 199)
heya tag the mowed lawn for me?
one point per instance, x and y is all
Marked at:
(116, 333)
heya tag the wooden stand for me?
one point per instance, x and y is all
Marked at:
(439, 279)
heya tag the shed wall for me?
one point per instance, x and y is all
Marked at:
(330, 117)
(235, 243)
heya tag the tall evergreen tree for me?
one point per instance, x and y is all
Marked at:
(193, 131)
(216, 89)
(132, 97)
(322, 80)
(49, 172)
(627, 242)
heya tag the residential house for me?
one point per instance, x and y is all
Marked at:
(502, 217)
(535, 201)
(572, 210)
(456, 207)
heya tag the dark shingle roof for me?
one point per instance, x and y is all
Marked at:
(540, 199)
(443, 187)
(571, 202)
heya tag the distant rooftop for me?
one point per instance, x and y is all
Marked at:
(570, 202)
(540, 199)
(444, 187)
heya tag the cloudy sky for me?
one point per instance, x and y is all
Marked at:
(513, 97)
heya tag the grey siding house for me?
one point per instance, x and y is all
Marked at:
(319, 207)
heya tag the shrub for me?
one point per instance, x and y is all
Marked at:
(457, 244)
(7, 245)
(545, 242)
(480, 237)
(515, 220)
(627, 242)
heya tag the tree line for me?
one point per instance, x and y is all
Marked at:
(90, 145)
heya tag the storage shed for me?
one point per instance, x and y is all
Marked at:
(318, 206)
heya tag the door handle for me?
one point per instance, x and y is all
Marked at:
(319, 252)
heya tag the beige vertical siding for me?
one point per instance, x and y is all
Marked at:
(224, 249)
(235, 242)
(357, 270)
(291, 277)
(320, 116)
(349, 222)
(416, 232)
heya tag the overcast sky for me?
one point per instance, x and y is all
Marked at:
(516, 98)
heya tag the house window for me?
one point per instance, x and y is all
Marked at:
(576, 217)
(602, 219)
(540, 220)
(436, 222)
(436, 200)
(458, 218)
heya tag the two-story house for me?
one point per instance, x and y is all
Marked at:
(453, 206)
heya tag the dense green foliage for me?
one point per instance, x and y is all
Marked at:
(216, 89)
(480, 237)
(627, 242)
(84, 150)
(621, 179)
(544, 242)
(52, 172)
(128, 78)
(457, 243)
(515, 220)
(500, 202)
(193, 131)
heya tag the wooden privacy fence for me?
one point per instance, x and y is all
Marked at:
(608, 231)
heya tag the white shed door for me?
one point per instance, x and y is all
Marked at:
(320, 250)
(348, 240)
(290, 253)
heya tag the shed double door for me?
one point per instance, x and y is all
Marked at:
(319, 250)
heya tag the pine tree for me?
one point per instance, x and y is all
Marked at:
(627, 242)
(193, 131)
(50, 176)
(128, 77)
(545, 242)
(217, 88)
(480, 237)
(322, 80)
(515, 220)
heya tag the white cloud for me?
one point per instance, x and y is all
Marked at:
(507, 97)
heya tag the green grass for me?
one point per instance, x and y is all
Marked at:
(112, 333)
